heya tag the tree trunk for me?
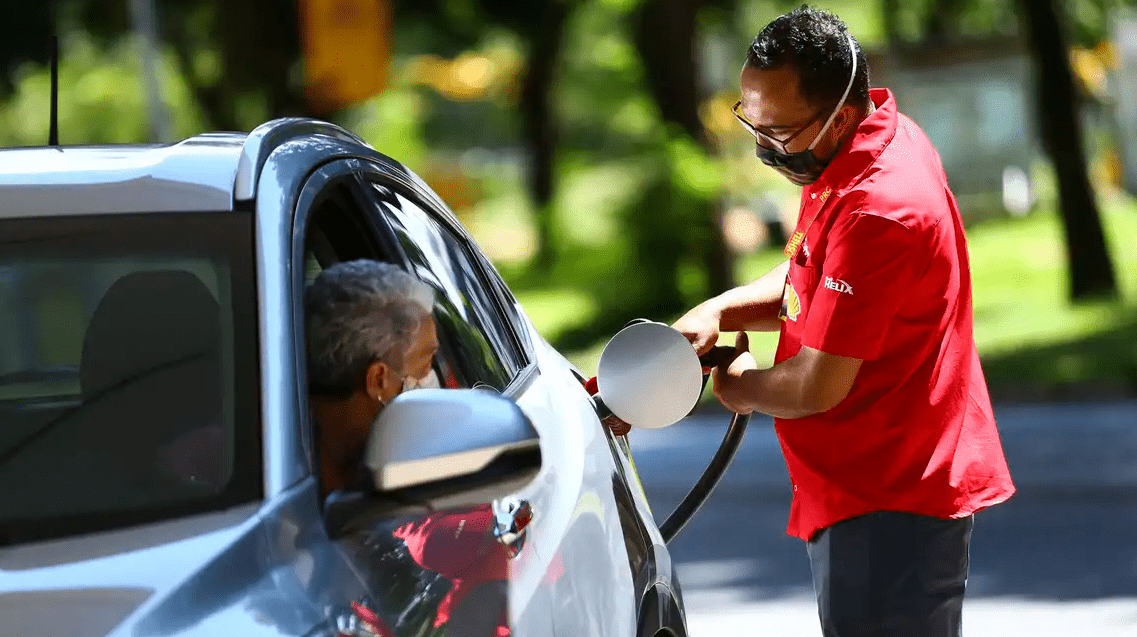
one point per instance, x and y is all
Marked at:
(666, 37)
(539, 125)
(1090, 267)
(263, 56)
(942, 20)
(255, 61)
(890, 10)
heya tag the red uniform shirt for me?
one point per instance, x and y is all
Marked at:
(882, 275)
(460, 547)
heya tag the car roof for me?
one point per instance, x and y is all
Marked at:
(193, 175)
(208, 172)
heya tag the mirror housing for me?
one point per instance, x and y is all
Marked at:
(437, 449)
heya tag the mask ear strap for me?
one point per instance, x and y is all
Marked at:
(852, 78)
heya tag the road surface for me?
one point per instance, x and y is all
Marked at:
(1058, 559)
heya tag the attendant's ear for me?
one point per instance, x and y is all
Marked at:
(845, 120)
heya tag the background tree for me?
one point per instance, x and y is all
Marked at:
(1059, 109)
(26, 37)
(540, 27)
(239, 75)
(1058, 103)
(666, 33)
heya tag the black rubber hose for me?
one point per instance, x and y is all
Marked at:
(721, 460)
(710, 478)
(719, 463)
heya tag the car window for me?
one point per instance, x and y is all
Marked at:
(485, 349)
(318, 253)
(128, 370)
(511, 309)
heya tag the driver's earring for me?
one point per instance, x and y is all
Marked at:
(376, 381)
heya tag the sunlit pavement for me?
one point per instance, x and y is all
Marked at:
(995, 617)
(1059, 559)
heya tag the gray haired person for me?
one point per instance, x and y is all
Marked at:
(371, 336)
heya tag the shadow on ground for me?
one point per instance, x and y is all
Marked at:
(1103, 365)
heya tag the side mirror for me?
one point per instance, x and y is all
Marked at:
(434, 449)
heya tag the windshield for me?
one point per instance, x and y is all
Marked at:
(128, 370)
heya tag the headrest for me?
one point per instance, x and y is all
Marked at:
(146, 322)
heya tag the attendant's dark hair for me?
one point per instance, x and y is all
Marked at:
(816, 43)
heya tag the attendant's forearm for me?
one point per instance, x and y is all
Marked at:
(755, 316)
(783, 391)
(752, 307)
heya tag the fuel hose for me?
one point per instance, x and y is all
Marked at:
(698, 494)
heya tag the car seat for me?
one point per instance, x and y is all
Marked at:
(150, 372)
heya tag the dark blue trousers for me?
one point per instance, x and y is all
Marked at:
(891, 574)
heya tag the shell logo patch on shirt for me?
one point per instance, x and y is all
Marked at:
(791, 304)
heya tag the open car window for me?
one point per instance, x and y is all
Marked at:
(481, 349)
(128, 370)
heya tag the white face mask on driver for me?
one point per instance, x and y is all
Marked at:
(428, 381)
(410, 383)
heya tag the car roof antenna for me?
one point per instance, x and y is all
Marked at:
(53, 133)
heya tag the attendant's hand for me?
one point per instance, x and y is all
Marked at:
(701, 327)
(730, 386)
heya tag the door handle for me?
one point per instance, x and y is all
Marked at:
(511, 521)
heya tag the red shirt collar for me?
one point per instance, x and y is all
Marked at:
(870, 139)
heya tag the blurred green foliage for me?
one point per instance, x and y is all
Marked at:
(101, 98)
(1034, 343)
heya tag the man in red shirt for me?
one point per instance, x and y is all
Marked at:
(879, 400)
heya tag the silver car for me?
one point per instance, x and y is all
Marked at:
(157, 467)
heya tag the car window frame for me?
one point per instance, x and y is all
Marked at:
(356, 176)
(509, 301)
(484, 357)
(341, 173)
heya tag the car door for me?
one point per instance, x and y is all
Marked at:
(397, 594)
(474, 351)
(574, 569)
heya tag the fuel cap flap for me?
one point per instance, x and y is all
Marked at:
(649, 375)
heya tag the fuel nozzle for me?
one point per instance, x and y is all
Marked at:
(717, 355)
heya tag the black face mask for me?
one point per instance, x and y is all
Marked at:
(803, 167)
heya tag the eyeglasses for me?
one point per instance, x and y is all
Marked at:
(760, 135)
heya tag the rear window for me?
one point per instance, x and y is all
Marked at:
(128, 370)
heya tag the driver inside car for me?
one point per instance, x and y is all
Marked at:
(371, 336)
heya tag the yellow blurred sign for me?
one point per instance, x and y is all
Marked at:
(347, 51)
